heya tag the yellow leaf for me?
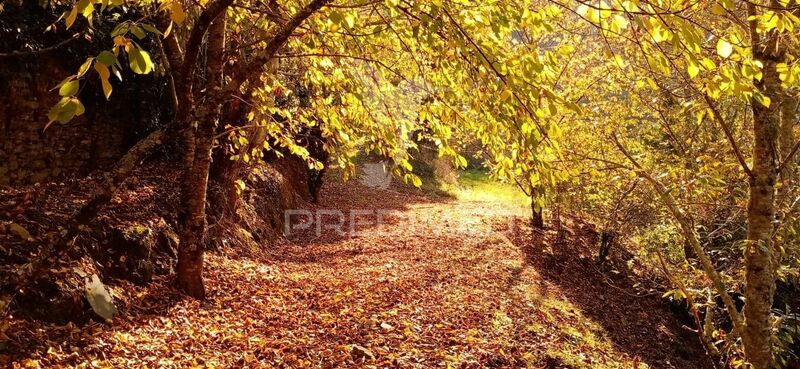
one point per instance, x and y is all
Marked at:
(724, 48)
(102, 70)
(505, 95)
(693, 69)
(72, 16)
(85, 67)
(169, 29)
(176, 12)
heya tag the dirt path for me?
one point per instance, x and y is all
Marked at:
(441, 284)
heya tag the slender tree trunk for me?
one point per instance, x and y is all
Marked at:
(195, 179)
(537, 220)
(789, 105)
(224, 172)
(759, 253)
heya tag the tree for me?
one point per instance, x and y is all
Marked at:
(241, 39)
(708, 56)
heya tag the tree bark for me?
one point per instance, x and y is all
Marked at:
(195, 183)
(759, 253)
(195, 179)
(192, 229)
(224, 172)
(789, 105)
(786, 138)
(537, 219)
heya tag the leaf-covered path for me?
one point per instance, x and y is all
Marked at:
(443, 283)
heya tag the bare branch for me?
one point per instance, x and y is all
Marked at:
(690, 234)
(728, 134)
(17, 54)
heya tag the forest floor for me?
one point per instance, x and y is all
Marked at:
(442, 283)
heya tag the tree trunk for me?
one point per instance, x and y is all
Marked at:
(195, 184)
(607, 238)
(537, 220)
(759, 275)
(759, 258)
(195, 178)
(786, 139)
(789, 105)
(224, 172)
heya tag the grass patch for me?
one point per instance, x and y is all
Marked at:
(476, 185)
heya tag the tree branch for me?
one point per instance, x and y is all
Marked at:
(728, 135)
(690, 234)
(789, 157)
(17, 54)
(256, 66)
(211, 12)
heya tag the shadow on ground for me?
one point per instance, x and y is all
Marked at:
(639, 324)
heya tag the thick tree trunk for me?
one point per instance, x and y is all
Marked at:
(759, 274)
(192, 230)
(789, 105)
(759, 253)
(190, 263)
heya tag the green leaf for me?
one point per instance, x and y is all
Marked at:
(151, 29)
(70, 88)
(120, 29)
(138, 32)
(108, 58)
(763, 100)
(65, 110)
(139, 61)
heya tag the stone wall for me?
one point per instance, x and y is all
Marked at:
(29, 154)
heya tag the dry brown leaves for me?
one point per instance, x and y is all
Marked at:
(453, 292)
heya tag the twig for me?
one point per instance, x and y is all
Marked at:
(17, 54)
(728, 135)
(689, 233)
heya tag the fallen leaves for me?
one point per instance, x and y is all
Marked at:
(402, 297)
